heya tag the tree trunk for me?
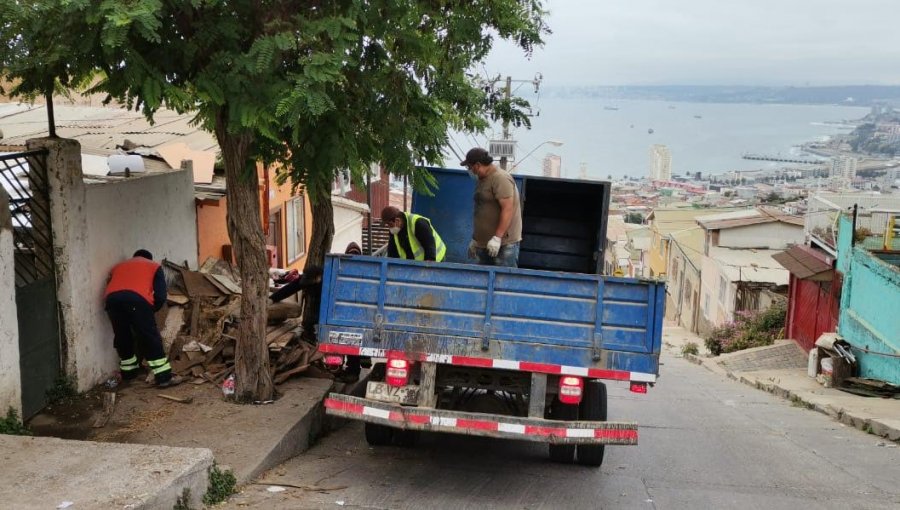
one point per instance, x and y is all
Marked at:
(319, 244)
(253, 380)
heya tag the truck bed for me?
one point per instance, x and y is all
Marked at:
(519, 319)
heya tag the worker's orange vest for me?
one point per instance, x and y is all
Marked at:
(135, 274)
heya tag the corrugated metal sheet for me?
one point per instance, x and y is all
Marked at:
(801, 262)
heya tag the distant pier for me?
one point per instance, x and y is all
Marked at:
(781, 159)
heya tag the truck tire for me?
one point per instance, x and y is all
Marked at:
(378, 435)
(563, 453)
(593, 408)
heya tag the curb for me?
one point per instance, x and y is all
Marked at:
(873, 426)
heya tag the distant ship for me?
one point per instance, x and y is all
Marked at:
(698, 116)
(612, 108)
(650, 131)
(671, 107)
(632, 125)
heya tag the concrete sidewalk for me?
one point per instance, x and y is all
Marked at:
(248, 439)
(778, 370)
(45, 472)
(152, 448)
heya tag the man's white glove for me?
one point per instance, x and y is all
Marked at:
(472, 246)
(493, 246)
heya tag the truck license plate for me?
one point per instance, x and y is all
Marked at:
(384, 392)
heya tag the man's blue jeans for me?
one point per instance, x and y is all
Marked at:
(507, 257)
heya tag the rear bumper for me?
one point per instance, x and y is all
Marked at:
(482, 424)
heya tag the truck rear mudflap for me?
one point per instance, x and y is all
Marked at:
(481, 424)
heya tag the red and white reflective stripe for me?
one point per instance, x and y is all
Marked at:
(469, 361)
(485, 424)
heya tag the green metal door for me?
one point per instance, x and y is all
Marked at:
(23, 176)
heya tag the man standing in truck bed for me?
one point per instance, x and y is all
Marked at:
(497, 223)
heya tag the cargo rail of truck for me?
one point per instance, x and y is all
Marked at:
(518, 353)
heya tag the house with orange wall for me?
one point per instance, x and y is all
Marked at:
(286, 217)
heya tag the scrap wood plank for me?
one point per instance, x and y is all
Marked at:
(227, 282)
(183, 365)
(284, 376)
(284, 328)
(180, 400)
(214, 353)
(109, 405)
(282, 341)
(282, 311)
(291, 357)
(223, 289)
(177, 299)
(197, 285)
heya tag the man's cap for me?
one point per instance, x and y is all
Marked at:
(477, 155)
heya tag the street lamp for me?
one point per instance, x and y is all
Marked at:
(555, 143)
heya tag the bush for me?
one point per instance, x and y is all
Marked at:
(749, 330)
(221, 486)
(12, 425)
(690, 348)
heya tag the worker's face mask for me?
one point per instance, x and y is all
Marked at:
(471, 172)
(394, 230)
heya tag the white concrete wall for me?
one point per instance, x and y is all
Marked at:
(715, 310)
(774, 236)
(10, 377)
(348, 222)
(155, 212)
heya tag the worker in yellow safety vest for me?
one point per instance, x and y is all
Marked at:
(412, 236)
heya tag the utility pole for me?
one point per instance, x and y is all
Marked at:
(507, 93)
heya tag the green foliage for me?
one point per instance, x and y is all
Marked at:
(690, 348)
(748, 330)
(63, 390)
(221, 485)
(12, 425)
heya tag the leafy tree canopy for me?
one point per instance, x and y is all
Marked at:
(322, 85)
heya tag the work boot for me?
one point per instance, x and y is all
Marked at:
(175, 380)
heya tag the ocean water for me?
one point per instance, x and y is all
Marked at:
(617, 142)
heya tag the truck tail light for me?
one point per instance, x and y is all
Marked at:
(638, 387)
(397, 372)
(334, 360)
(570, 389)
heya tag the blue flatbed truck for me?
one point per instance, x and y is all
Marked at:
(518, 353)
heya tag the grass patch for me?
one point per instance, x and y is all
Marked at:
(690, 348)
(221, 485)
(12, 425)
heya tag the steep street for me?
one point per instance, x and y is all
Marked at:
(706, 442)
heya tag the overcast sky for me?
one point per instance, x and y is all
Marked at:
(713, 42)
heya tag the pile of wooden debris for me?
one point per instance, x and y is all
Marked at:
(199, 327)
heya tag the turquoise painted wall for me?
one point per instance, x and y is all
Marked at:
(870, 308)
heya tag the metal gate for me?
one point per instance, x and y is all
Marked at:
(24, 176)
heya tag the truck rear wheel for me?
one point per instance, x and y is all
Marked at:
(563, 453)
(593, 408)
(378, 435)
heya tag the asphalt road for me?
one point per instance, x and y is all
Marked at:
(705, 442)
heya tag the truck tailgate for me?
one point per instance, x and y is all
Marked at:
(491, 316)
